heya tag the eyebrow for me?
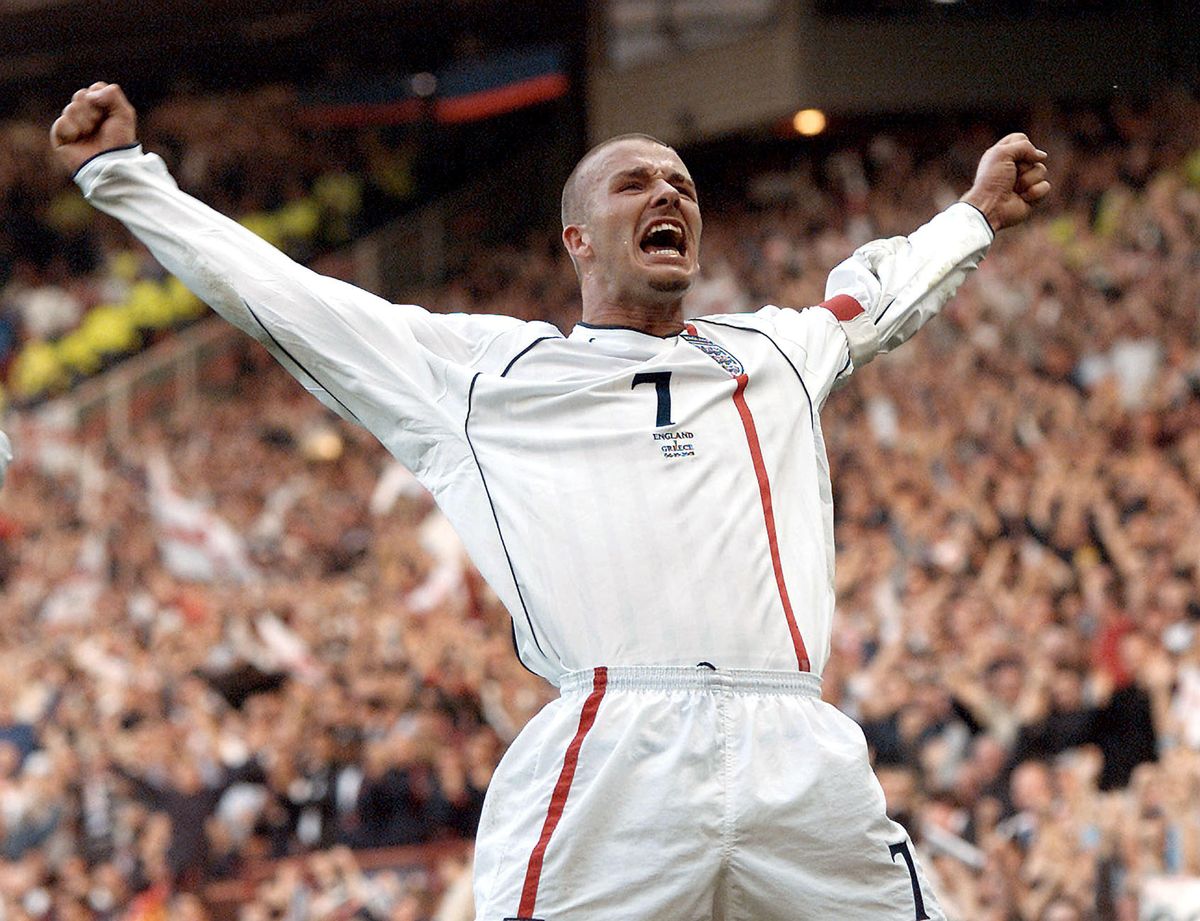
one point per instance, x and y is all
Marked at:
(643, 172)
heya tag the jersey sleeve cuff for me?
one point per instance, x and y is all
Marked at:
(862, 338)
(89, 171)
(862, 335)
(976, 217)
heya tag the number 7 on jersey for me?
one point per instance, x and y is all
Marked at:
(662, 389)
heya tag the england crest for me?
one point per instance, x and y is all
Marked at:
(716, 353)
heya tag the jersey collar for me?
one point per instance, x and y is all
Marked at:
(621, 340)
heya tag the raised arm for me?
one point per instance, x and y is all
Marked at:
(900, 283)
(387, 366)
(889, 289)
(226, 265)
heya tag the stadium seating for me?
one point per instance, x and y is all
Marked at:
(1019, 562)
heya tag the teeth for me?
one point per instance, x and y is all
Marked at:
(676, 238)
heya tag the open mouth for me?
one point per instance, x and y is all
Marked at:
(664, 238)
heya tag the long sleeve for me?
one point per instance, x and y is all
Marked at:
(903, 282)
(387, 366)
(880, 296)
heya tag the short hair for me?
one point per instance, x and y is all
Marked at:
(573, 199)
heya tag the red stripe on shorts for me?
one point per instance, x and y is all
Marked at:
(843, 306)
(558, 800)
(764, 492)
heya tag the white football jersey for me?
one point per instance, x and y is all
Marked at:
(634, 500)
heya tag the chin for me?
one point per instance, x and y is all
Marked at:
(675, 279)
(670, 285)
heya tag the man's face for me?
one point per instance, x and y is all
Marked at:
(641, 230)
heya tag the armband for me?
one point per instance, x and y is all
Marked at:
(862, 336)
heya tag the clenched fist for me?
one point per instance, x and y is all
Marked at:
(96, 119)
(1011, 179)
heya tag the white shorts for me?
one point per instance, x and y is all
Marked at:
(678, 794)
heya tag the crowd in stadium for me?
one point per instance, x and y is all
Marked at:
(75, 297)
(307, 664)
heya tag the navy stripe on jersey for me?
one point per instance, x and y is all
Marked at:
(986, 222)
(884, 311)
(749, 329)
(279, 345)
(521, 354)
(512, 626)
(109, 150)
(496, 518)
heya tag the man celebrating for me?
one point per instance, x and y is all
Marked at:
(651, 500)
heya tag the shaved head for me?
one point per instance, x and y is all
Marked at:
(575, 190)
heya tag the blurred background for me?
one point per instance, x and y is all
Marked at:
(247, 671)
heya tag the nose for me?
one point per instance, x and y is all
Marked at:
(665, 194)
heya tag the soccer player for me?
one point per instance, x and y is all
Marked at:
(651, 500)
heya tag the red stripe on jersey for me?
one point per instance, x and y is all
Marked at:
(843, 306)
(558, 800)
(764, 492)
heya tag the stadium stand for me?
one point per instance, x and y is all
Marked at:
(247, 670)
(78, 297)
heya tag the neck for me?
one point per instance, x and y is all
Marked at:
(662, 319)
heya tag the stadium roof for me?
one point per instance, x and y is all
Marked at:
(48, 47)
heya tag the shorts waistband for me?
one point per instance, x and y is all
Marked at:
(685, 678)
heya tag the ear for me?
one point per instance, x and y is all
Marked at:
(577, 241)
